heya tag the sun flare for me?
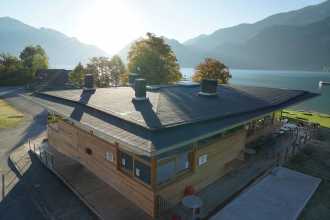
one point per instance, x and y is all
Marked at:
(110, 24)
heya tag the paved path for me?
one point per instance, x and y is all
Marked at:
(37, 194)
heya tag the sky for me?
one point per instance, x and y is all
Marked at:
(112, 24)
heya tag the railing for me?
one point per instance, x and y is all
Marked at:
(8, 181)
(45, 157)
(162, 205)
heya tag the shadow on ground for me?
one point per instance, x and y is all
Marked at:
(314, 160)
(39, 194)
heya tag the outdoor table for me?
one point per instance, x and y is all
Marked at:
(288, 125)
(192, 202)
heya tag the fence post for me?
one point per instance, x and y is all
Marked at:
(3, 190)
(46, 159)
(40, 154)
(52, 158)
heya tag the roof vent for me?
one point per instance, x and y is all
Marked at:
(89, 82)
(140, 89)
(209, 87)
(132, 77)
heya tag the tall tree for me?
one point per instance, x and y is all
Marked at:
(154, 60)
(212, 69)
(11, 70)
(100, 68)
(77, 75)
(34, 58)
(118, 70)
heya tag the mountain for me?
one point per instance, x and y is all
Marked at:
(298, 40)
(243, 32)
(63, 51)
(281, 47)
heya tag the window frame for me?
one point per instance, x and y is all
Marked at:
(113, 156)
(177, 174)
(131, 173)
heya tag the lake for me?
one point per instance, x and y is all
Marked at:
(284, 79)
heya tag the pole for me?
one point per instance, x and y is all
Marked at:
(46, 159)
(3, 185)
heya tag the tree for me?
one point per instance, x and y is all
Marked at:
(118, 70)
(100, 68)
(12, 71)
(77, 75)
(34, 58)
(212, 69)
(154, 60)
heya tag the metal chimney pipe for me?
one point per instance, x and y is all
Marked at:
(140, 89)
(209, 87)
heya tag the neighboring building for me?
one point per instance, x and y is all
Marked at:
(57, 77)
(151, 145)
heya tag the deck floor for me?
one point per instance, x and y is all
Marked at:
(104, 200)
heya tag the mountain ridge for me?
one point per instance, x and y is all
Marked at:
(63, 51)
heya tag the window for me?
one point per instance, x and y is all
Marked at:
(165, 170)
(182, 162)
(109, 156)
(142, 171)
(126, 162)
(169, 167)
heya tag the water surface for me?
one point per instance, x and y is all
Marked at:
(284, 79)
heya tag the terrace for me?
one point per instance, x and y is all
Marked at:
(262, 155)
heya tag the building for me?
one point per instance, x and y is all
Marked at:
(153, 143)
(57, 77)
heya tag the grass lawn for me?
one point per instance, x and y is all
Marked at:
(322, 119)
(9, 117)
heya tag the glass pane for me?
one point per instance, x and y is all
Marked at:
(182, 162)
(142, 171)
(126, 161)
(165, 171)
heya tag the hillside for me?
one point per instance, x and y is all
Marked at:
(282, 46)
(295, 40)
(63, 51)
(244, 32)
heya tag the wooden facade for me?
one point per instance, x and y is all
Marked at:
(91, 152)
(220, 152)
(136, 178)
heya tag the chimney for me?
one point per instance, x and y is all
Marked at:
(209, 87)
(89, 82)
(132, 77)
(140, 89)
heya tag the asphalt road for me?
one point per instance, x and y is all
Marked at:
(34, 122)
(38, 194)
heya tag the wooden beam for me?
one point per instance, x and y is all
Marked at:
(153, 173)
(117, 159)
(193, 159)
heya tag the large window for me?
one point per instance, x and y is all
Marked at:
(142, 172)
(170, 167)
(126, 162)
(135, 167)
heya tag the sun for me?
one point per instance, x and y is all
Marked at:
(109, 24)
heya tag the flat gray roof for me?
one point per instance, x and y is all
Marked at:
(281, 195)
(172, 116)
